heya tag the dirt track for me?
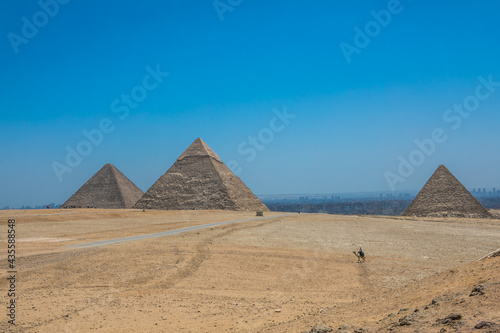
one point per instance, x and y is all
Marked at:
(277, 275)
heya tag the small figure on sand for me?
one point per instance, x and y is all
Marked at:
(360, 254)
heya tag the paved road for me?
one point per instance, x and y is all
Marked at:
(166, 233)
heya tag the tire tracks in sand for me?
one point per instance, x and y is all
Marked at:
(201, 254)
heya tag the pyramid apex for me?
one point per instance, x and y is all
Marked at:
(442, 168)
(198, 149)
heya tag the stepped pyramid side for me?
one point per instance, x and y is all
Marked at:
(108, 188)
(200, 180)
(129, 191)
(443, 195)
(239, 193)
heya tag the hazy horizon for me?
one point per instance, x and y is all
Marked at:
(324, 97)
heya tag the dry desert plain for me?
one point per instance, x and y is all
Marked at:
(277, 274)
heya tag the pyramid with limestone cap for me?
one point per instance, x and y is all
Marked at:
(444, 196)
(108, 188)
(200, 180)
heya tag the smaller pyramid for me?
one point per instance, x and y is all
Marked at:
(444, 196)
(108, 188)
(200, 180)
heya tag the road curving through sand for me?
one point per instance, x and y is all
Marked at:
(166, 233)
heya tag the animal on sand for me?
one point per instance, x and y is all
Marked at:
(360, 254)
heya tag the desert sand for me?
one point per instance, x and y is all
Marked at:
(282, 274)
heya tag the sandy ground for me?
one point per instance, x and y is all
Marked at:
(276, 275)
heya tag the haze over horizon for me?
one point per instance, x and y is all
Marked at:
(295, 97)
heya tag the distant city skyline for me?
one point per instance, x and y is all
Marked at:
(328, 197)
(295, 97)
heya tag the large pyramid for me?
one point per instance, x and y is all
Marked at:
(443, 195)
(108, 188)
(200, 180)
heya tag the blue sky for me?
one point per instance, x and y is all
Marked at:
(232, 67)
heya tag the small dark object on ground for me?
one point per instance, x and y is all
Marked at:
(319, 328)
(485, 324)
(450, 319)
(405, 321)
(477, 290)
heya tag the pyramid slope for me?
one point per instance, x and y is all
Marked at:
(108, 188)
(200, 180)
(443, 195)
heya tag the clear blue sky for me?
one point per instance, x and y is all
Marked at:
(229, 68)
